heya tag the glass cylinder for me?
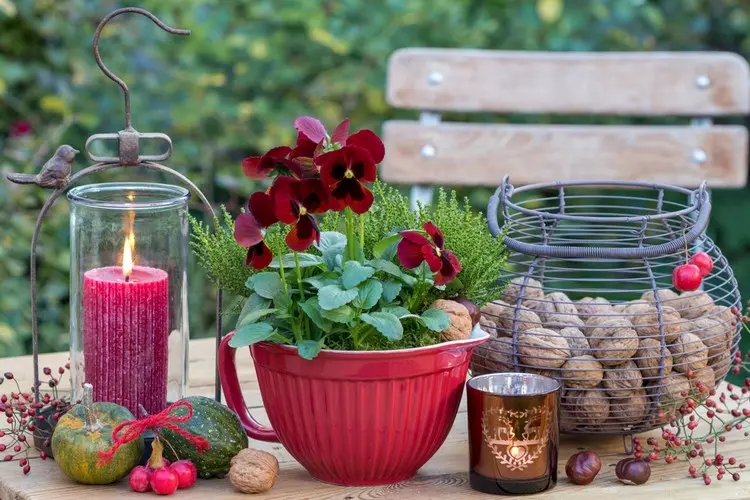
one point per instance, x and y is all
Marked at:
(128, 292)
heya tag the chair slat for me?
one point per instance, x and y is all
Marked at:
(614, 83)
(480, 154)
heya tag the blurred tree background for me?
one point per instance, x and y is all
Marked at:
(234, 87)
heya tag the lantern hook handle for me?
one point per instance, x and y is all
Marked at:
(106, 70)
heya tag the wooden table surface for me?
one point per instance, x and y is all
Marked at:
(443, 477)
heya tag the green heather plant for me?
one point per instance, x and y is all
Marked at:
(364, 277)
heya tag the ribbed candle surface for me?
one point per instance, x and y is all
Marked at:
(125, 336)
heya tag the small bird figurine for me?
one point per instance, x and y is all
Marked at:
(54, 174)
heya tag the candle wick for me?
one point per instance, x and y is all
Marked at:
(127, 279)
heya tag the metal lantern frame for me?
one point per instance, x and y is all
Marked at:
(128, 141)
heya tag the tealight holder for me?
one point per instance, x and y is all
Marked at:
(129, 322)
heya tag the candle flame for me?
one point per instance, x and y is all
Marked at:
(127, 254)
(514, 451)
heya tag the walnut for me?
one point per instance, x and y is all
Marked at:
(704, 379)
(582, 372)
(501, 314)
(577, 341)
(646, 323)
(595, 321)
(636, 308)
(555, 374)
(649, 359)
(728, 321)
(666, 296)
(614, 342)
(533, 290)
(588, 307)
(584, 408)
(253, 471)
(688, 353)
(621, 381)
(721, 364)
(494, 356)
(488, 326)
(555, 309)
(461, 324)
(631, 410)
(694, 304)
(542, 348)
(619, 308)
(562, 322)
(711, 333)
(674, 389)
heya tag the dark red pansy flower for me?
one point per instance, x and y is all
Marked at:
(247, 232)
(343, 171)
(275, 160)
(262, 207)
(20, 128)
(369, 141)
(415, 248)
(295, 200)
(312, 138)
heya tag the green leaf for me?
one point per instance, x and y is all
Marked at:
(331, 241)
(391, 289)
(332, 259)
(253, 303)
(359, 255)
(385, 323)
(397, 311)
(389, 267)
(343, 314)
(321, 280)
(251, 334)
(281, 301)
(355, 273)
(332, 296)
(253, 316)
(305, 260)
(369, 294)
(381, 247)
(265, 284)
(436, 320)
(311, 307)
(308, 349)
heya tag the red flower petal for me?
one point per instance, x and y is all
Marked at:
(415, 237)
(311, 127)
(450, 268)
(360, 199)
(363, 168)
(312, 195)
(333, 166)
(435, 234)
(285, 202)
(262, 207)
(247, 230)
(431, 257)
(409, 253)
(303, 234)
(278, 153)
(259, 256)
(305, 147)
(368, 140)
(341, 132)
(251, 166)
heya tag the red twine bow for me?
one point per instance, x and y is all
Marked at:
(130, 430)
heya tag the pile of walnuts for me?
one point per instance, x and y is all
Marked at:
(616, 362)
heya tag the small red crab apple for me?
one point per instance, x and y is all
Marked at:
(704, 262)
(686, 277)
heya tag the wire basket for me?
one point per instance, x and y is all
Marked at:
(589, 300)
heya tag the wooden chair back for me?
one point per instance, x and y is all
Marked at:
(699, 85)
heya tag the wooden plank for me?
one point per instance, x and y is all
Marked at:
(616, 83)
(481, 154)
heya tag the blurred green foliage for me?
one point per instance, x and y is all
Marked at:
(234, 87)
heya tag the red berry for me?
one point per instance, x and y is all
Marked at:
(703, 262)
(736, 476)
(47, 370)
(8, 375)
(164, 481)
(186, 472)
(17, 448)
(686, 277)
(43, 455)
(26, 469)
(139, 479)
(732, 460)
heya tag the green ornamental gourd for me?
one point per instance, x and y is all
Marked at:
(85, 431)
(214, 422)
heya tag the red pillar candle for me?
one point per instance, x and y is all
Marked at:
(125, 336)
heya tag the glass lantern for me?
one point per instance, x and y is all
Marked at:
(129, 321)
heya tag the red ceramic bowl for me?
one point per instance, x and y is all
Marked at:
(355, 418)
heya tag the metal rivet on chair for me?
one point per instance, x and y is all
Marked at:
(703, 82)
(435, 78)
(699, 156)
(427, 151)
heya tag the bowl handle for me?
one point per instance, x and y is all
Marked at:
(230, 383)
